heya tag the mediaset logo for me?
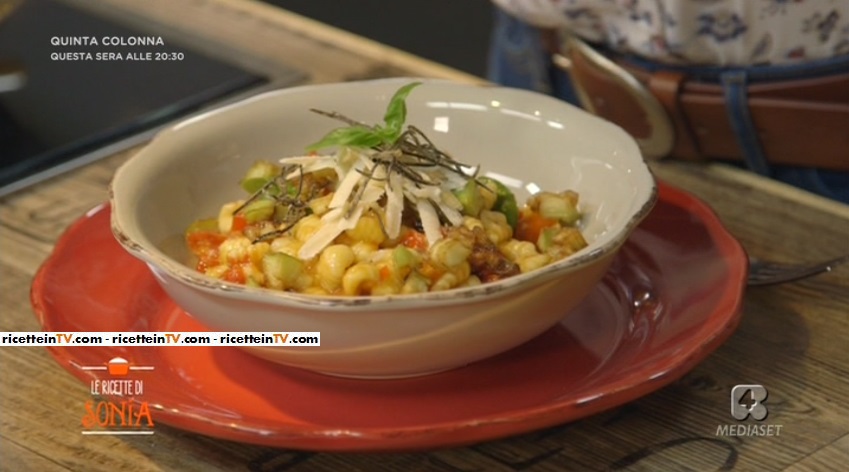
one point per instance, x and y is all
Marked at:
(749, 401)
(124, 415)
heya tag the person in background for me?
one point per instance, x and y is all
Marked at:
(759, 83)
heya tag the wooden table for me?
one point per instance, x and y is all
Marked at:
(792, 338)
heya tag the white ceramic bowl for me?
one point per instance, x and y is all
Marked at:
(535, 141)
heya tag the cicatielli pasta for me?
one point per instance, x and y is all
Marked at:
(385, 213)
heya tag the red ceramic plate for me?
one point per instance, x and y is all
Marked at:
(671, 297)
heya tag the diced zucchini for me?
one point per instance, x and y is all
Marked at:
(254, 184)
(282, 267)
(546, 238)
(558, 207)
(403, 258)
(505, 201)
(258, 175)
(258, 210)
(470, 197)
(204, 225)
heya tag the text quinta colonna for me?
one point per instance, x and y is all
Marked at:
(107, 41)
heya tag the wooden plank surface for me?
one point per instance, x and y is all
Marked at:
(791, 339)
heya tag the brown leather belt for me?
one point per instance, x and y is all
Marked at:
(799, 122)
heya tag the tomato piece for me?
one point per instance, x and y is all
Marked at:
(430, 271)
(240, 221)
(235, 274)
(531, 225)
(414, 240)
(202, 241)
(204, 245)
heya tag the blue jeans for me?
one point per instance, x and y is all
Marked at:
(518, 59)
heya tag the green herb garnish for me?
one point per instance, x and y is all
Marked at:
(406, 151)
(362, 135)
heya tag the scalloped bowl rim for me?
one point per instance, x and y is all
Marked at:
(158, 260)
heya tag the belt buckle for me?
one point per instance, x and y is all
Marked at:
(659, 143)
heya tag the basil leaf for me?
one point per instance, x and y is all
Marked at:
(356, 136)
(361, 136)
(396, 112)
(387, 136)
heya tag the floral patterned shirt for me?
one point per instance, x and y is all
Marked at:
(711, 32)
